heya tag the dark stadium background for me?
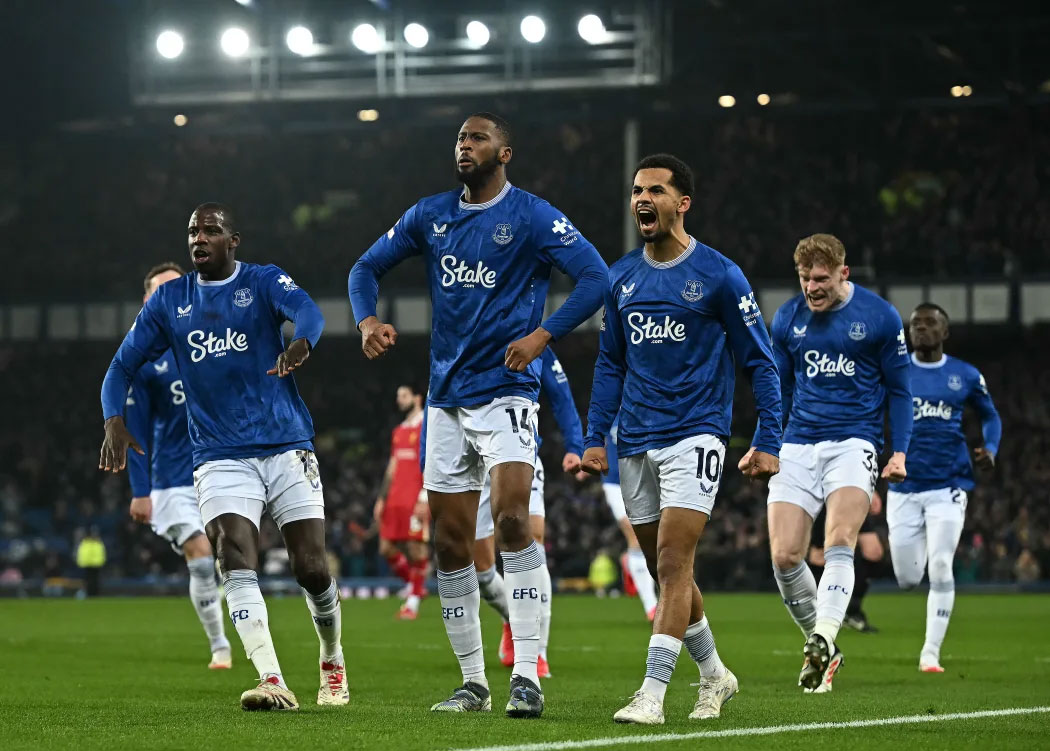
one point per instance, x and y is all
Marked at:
(863, 138)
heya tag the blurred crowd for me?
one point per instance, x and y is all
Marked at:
(52, 495)
(948, 192)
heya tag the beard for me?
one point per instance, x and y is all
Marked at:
(479, 173)
(656, 235)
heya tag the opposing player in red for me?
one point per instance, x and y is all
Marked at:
(401, 509)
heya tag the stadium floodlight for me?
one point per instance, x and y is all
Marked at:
(234, 41)
(170, 44)
(416, 35)
(763, 99)
(591, 29)
(180, 120)
(368, 116)
(967, 90)
(956, 91)
(300, 40)
(366, 38)
(478, 33)
(533, 29)
(726, 100)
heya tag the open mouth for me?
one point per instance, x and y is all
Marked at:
(200, 255)
(646, 219)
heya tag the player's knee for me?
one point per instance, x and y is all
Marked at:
(672, 564)
(908, 579)
(452, 550)
(311, 572)
(513, 528)
(840, 536)
(941, 568)
(232, 554)
(785, 560)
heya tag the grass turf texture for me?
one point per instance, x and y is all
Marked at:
(130, 673)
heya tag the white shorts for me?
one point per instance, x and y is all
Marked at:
(287, 485)
(810, 472)
(465, 443)
(176, 516)
(907, 513)
(485, 526)
(685, 475)
(614, 497)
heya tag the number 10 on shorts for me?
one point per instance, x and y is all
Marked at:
(708, 464)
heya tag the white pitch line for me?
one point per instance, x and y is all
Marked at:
(770, 730)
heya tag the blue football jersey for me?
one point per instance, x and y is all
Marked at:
(937, 455)
(671, 337)
(555, 384)
(841, 370)
(224, 336)
(488, 267)
(613, 457)
(156, 415)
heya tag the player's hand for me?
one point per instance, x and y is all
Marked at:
(759, 464)
(291, 358)
(595, 461)
(142, 508)
(570, 462)
(984, 459)
(420, 513)
(376, 337)
(876, 504)
(114, 454)
(377, 512)
(523, 351)
(894, 470)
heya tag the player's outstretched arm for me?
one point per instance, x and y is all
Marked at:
(291, 303)
(293, 357)
(113, 457)
(523, 351)
(376, 337)
(138, 418)
(145, 341)
(609, 373)
(991, 426)
(555, 384)
(896, 375)
(595, 461)
(402, 241)
(753, 351)
(758, 465)
(895, 469)
(559, 243)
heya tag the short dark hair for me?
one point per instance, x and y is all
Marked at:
(227, 214)
(681, 175)
(934, 306)
(502, 126)
(415, 388)
(160, 268)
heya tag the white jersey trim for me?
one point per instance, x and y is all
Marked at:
(939, 364)
(674, 262)
(227, 280)
(489, 203)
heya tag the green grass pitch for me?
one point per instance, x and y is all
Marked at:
(130, 673)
